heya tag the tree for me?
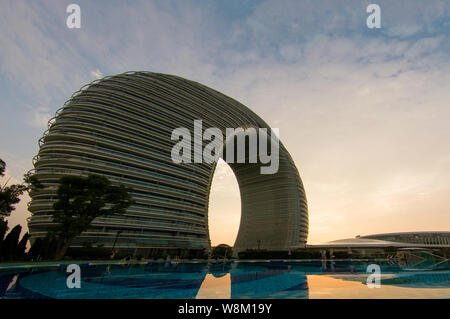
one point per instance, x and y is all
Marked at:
(2, 167)
(36, 249)
(44, 248)
(22, 246)
(222, 251)
(82, 199)
(9, 245)
(3, 229)
(10, 249)
(10, 195)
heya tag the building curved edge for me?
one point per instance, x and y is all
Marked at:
(120, 127)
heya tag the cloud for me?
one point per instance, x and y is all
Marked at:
(96, 74)
(39, 53)
(40, 117)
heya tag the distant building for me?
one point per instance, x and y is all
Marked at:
(381, 244)
(434, 238)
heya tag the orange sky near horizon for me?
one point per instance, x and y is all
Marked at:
(224, 214)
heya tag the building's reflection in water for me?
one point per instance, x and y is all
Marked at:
(267, 281)
(314, 279)
(249, 280)
(320, 280)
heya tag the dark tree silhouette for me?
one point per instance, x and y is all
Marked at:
(22, 246)
(2, 167)
(82, 199)
(9, 245)
(36, 249)
(3, 229)
(9, 195)
(222, 251)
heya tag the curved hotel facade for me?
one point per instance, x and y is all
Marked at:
(121, 126)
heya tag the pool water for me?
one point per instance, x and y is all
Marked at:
(271, 279)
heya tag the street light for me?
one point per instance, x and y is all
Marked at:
(115, 240)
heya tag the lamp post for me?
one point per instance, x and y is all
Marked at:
(115, 240)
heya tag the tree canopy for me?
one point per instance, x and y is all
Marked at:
(2, 167)
(82, 199)
(10, 195)
(10, 246)
(222, 251)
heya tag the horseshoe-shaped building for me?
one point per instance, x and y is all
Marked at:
(121, 126)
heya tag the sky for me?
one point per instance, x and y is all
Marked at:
(363, 112)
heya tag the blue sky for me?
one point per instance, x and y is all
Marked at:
(362, 111)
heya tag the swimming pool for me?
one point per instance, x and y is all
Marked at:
(239, 279)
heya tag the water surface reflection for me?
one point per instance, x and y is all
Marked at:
(313, 279)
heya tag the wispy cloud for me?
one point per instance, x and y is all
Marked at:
(96, 74)
(40, 117)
